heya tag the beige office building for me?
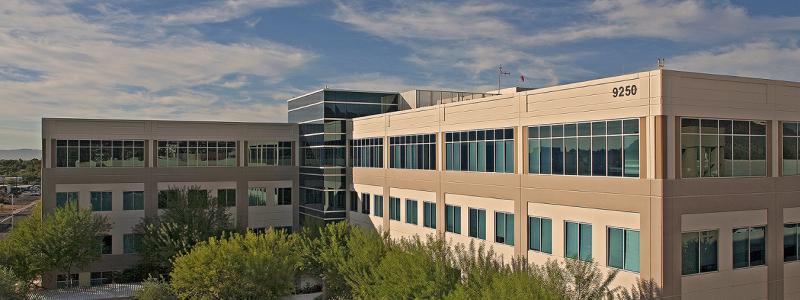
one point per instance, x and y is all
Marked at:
(118, 168)
(688, 179)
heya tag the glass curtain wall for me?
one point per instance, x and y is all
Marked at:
(270, 153)
(196, 154)
(367, 153)
(99, 153)
(413, 152)
(490, 150)
(322, 116)
(597, 148)
(723, 148)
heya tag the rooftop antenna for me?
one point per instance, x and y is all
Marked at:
(500, 74)
(661, 62)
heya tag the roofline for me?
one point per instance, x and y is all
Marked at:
(341, 90)
(163, 120)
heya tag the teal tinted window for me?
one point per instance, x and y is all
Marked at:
(623, 249)
(378, 205)
(600, 148)
(749, 247)
(477, 223)
(411, 211)
(226, 197)
(578, 241)
(367, 153)
(722, 148)
(394, 208)
(130, 242)
(365, 203)
(540, 234)
(489, 150)
(699, 252)
(429, 214)
(790, 243)
(101, 201)
(283, 196)
(63, 198)
(453, 218)
(133, 200)
(791, 154)
(413, 152)
(504, 228)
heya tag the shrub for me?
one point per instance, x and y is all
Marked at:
(155, 289)
(11, 287)
(249, 266)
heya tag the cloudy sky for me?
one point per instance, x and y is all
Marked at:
(240, 60)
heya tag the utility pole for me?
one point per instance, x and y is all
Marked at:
(500, 74)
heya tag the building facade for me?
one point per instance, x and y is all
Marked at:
(687, 179)
(120, 168)
(684, 178)
(322, 117)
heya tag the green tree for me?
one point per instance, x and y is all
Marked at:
(323, 252)
(189, 216)
(64, 241)
(249, 266)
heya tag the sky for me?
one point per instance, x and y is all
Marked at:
(241, 60)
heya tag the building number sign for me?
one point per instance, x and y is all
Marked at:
(623, 91)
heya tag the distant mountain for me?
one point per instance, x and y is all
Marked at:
(25, 154)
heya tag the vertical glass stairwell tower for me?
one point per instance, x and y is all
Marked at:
(322, 116)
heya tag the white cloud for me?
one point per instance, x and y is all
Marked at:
(475, 36)
(763, 59)
(433, 21)
(222, 11)
(75, 66)
(694, 21)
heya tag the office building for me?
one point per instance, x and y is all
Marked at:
(687, 179)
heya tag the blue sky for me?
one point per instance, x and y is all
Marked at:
(240, 60)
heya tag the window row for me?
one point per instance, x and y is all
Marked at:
(196, 154)
(700, 249)
(367, 153)
(599, 148)
(131, 242)
(413, 152)
(102, 200)
(99, 153)
(480, 150)
(365, 203)
(270, 154)
(412, 212)
(723, 148)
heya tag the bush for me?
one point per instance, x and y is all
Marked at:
(11, 287)
(155, 289)
(250, 266)
(415, 269)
